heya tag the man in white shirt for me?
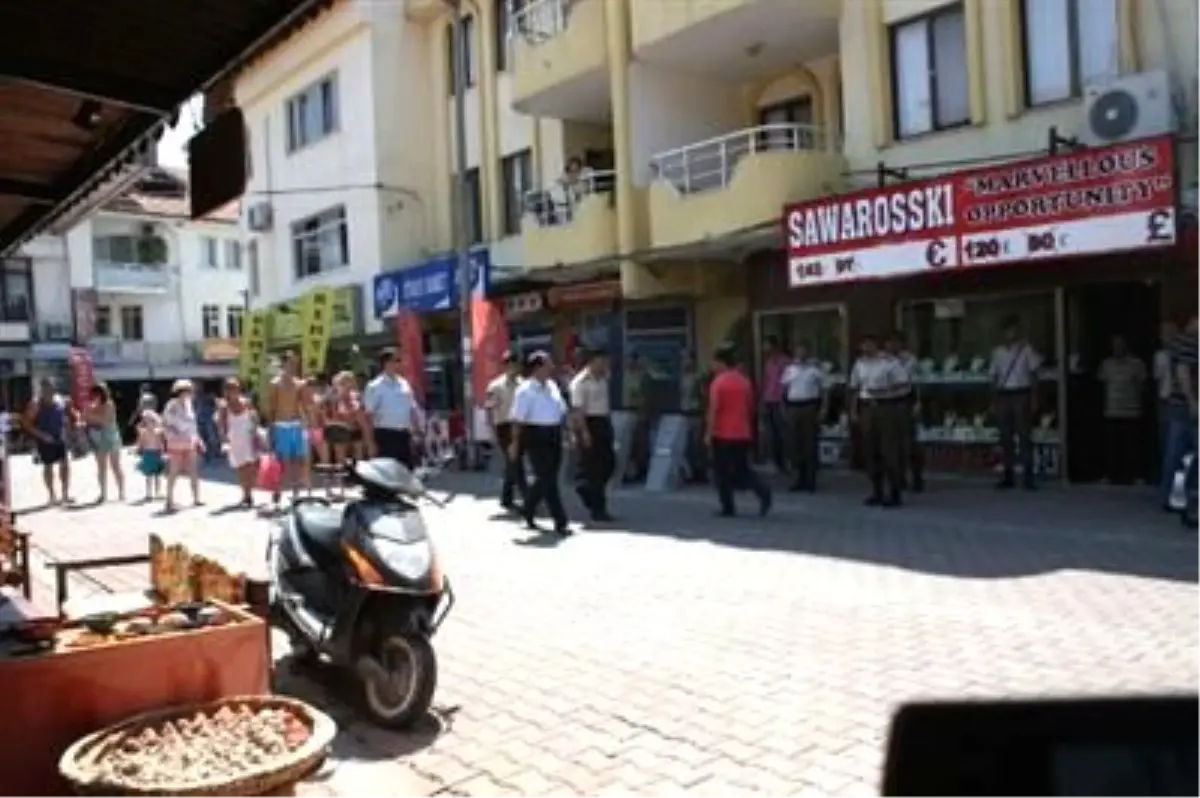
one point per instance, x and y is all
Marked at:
(538, 413)
(803, 386)
(592, 424)
(498, 402)
(1014, 375)
(393, 411)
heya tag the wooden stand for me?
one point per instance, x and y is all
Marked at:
(53, 699)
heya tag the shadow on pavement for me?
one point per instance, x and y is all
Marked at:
(336, 692)
(953, 529)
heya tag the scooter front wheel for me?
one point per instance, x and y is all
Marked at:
(399, 680)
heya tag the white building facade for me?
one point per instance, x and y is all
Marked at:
(154, 295)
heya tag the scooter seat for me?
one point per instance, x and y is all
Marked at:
(320, 527)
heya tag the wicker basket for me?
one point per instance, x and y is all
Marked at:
(79, 763)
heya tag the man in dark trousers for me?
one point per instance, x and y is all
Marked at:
(592, 422)
(876, 382)
(729, 434)
(912, 459)
(538, 413)
(1014, 374)
(499, 401)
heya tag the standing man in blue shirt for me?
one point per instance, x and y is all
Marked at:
(394, 413)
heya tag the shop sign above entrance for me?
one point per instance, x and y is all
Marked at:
(1087, 202)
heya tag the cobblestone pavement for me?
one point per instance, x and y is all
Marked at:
(680, 653)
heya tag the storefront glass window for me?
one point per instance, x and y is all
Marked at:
(952, 341)
(657, 339)
(822, 330)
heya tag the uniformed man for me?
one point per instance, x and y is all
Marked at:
(538, 413)
(803, 386)
(498, 402)
(875, 380)
(591, 420)
(1014, 375)
(912, 460)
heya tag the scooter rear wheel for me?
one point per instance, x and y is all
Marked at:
(399, 680)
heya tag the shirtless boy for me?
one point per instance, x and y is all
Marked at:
(287, 407)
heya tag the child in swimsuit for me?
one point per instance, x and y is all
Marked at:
(150, 444)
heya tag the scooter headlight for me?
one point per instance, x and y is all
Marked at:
(409, 560)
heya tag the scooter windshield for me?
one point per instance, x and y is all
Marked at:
(384, 523)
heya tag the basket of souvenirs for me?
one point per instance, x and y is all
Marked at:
(248, 745)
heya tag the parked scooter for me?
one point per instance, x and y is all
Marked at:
(1183, 502)
(360, 587)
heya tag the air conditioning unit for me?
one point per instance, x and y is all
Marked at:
(1127, 108)
(258, 217)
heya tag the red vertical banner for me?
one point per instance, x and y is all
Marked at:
(489, 339)
(411, 343)
(83, 376)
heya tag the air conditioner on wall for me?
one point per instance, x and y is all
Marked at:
(258, 217)
(1126, 108)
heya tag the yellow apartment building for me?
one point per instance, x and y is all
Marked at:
(722, 112)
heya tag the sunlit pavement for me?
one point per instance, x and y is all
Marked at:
(677, 652)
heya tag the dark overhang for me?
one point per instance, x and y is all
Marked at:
(86, 87)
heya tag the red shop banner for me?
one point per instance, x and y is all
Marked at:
(489, 340)
(1106, 199)
(82, 374)
(411, 343)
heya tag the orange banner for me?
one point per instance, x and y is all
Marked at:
(411, 343)
(489, 339)
(83, 376)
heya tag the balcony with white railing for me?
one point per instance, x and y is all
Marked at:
(133, 278)
(571, 221)
(739, 180)
(560, 55)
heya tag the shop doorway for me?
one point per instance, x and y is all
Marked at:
(1096, 313)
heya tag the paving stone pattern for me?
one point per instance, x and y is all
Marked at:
(680, 653)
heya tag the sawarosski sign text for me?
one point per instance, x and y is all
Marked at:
(1086, 202)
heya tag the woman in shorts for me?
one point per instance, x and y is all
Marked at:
(104, 435)
(237, 421)
(343, 419)
(183, 441)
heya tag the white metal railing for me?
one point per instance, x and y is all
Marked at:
(708, 165)
(556, 204)
(111, 351)
(117, 275)
(535, 21)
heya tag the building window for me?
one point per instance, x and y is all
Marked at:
(789, 124)
(16, 304)
(233, 254)
(312, 114)
(504, 28)
(210, 256)
(252, 261)
(517, 172)
(233, 320)
(210, 321)
(103, 321)
(1068, 45)
(249, 155)
(929, 72)
(132, 328)
(472, 72)
(474, 207)
(321, 243)
(149, 250)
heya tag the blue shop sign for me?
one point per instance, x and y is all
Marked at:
(429, 286)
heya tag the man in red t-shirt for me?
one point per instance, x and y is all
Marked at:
(729, 432)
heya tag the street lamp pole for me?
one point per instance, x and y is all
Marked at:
(462, 218)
